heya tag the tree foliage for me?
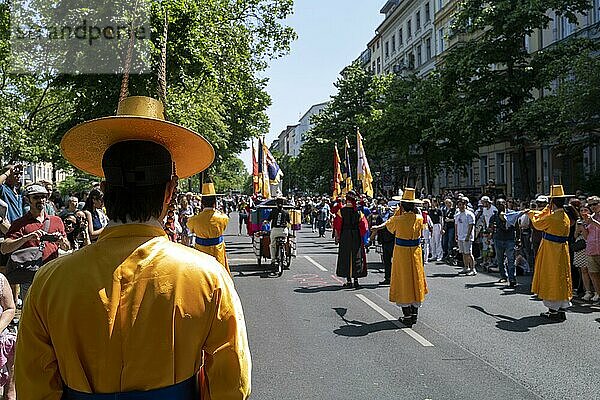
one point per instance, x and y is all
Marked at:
(215, 52)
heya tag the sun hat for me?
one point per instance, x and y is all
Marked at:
(408, 196)
(138, 118)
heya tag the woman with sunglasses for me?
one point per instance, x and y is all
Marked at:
(76, 229)
(96, 219)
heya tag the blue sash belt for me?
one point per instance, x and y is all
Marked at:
(210, 241)
(554, 238)
(186, 390)
(408, 243)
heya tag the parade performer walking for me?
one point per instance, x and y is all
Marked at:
(351, 229)
(134, 315)
(209, 225)
(408, 286)
(552, 272)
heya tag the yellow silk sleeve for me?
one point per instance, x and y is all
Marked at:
(540, 219)
(36, 367)
(227, 364)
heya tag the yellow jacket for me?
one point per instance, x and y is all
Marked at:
(552, 274)
(408, 284)
(133, 311)
(210, 224)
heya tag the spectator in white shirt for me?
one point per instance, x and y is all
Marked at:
(464, 221)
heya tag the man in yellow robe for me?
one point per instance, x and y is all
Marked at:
(407, 286)
(133, 315)
(209, 225)
(552, 274)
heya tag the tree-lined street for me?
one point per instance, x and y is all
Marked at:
(311, 339)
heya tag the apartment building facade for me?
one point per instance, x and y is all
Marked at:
(292, 138)
(414, 38)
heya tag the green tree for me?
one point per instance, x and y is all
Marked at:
(356, 104)
(215, 52)
(495, 77)
(417, 127)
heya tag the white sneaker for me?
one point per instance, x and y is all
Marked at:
(587, 296)
(595, 298)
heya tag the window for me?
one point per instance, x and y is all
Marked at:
(408, 29)
(373, 67)
(427, 12)
(419, 59)
(418, 21)
(566, 28)
(428, 49)
(441, 39)
(483, 170)
(378, 65)
(411, 61)
(596, 11)
(440, 4)
(378, 45)
(387, 50)
(394, 43)
(400, 38)
(500, 168)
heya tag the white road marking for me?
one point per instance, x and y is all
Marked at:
(241, 259)
(424, 342)
(316, 264)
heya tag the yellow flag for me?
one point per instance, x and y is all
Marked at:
(363, 170)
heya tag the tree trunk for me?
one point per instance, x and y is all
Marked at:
(524, 172)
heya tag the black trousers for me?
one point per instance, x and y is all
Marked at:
(388, 251)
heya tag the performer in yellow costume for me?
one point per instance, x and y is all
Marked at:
(134, 316)
(407, 286)
(209, 225)
(552, 274)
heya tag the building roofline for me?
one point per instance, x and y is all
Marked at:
(313, 106)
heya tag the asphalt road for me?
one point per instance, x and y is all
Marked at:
(475, 339)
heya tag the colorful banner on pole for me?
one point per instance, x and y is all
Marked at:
(363, 170)
(346, 171)
(337, 174)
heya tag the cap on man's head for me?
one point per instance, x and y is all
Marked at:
(35, 189)
(486, 198)
(541, 199)
(137, 163)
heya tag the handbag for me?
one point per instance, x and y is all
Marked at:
(22, 264)
(579, 245)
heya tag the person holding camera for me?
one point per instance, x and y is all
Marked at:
(76, 229)
(34, 229)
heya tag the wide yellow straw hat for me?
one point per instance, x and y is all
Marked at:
(138, 118)
(408, 196)
(208, 189)
(558, 191)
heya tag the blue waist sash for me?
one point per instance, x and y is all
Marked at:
(186, 390)
(554, 238)
(210, 241)
(408, 243)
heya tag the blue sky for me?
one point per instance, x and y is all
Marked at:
(331, 34)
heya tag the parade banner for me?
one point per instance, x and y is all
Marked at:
(363, 170)
(337, 174)
(263, 178)
(346, 171)
(255, 180)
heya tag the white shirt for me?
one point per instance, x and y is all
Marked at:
(488, 212)
(462, 220)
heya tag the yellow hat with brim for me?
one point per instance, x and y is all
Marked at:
(557, 191)
(408, 196)
(208, 189)
(138, 118)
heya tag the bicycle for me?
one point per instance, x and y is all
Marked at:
(283, 254)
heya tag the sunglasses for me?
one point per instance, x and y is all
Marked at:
(39, 197)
